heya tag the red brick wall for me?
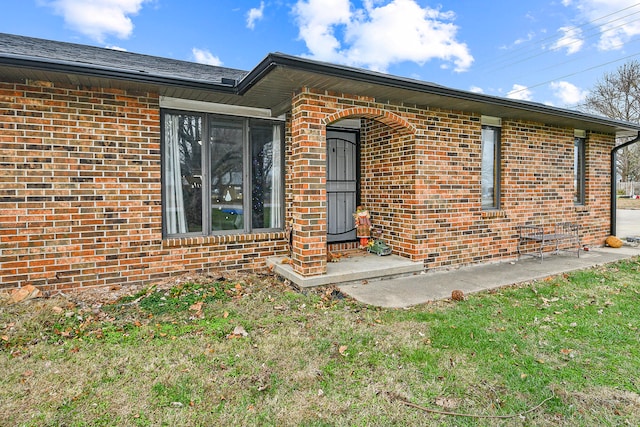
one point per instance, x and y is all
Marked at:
(306, 176)
(388, 185)
(423, 186)
(80, 194)
(595, 215)
(427, 197)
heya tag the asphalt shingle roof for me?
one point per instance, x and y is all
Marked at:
(97, 57)
(270, 84)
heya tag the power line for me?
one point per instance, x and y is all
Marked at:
(548, 39)
(526, 49)
(597, 33)
(593, 31)
(575, 73)
(577, 58)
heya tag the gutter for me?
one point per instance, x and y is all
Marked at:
(140, 76)
(614, 190)
(268, 64)
(275, 60)
(279, 60)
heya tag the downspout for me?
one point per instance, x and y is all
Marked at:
(614, 190)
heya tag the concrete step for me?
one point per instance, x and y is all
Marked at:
(352, 267)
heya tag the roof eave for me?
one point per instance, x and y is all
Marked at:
(140, 76)
(274, 60)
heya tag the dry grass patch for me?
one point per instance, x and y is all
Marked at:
(622, 203)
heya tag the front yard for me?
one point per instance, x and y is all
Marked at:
(251, 351)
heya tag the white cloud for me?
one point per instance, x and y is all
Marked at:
(530, 36)
(98, 18)
(382, 33)
(203, 56)
(317, 20)
(571, 40)
(255, 14)
(476, 89)
(568, 93)
(616, 19)
(121, 49)
(520, 92)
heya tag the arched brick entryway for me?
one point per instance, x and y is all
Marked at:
(390, 119)
(311, 114)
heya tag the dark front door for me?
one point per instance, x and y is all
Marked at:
(342, 184)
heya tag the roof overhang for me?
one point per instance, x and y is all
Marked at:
(38, 64)
(279, 75)
(273, 82)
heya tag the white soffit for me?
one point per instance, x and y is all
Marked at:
(212, 107)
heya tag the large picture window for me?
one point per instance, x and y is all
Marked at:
(221, 174)
(490, 167)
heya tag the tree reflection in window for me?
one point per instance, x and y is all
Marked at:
(191, 166)
(183, 173)
(208, 179)
(261, 165)
(226, 138)
(266, 201)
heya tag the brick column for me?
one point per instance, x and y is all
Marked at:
(308, 185)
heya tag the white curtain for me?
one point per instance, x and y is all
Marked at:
(176, 218)
(276, 179)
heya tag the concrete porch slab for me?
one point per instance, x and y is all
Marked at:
(350, 269)
(405, 292)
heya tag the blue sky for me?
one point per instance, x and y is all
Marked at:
(548, 51)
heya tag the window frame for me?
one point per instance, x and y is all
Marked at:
(579, 169)
(206, 163)
(497, 166)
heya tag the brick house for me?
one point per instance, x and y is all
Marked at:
(120, 168)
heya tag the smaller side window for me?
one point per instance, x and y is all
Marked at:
(490, 167)
(579, 170)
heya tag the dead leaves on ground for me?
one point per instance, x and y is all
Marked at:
(24, 293)
(343, 350)
(136, 312)
(447, 402)
(197, 309)
(238, 332)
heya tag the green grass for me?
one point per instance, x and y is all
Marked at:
(168, 356)
(178, 393)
